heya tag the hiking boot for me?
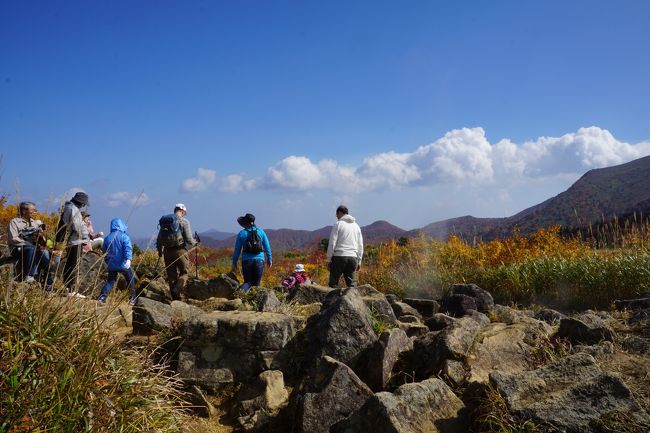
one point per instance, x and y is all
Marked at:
(102, 299)
(133, 301)
(49, 289)
(74, 294)
(29, 279)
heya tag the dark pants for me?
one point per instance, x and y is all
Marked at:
(252, 270)
(346, 266)
(70, 269)
(48, 264)
(177, 265)
(112, 278)
(27, 265)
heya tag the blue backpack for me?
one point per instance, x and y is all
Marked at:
(169, 234)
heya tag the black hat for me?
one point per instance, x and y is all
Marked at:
(245, 220)
(80, 198)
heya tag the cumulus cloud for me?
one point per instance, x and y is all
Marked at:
(203, 180)
(461, 155)
(123, 198)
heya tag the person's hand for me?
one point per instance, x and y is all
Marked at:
(100, 234)
(159, 253)
(269, 265)
(127, 264)
(233, 269)
(358, 267)
(329, 266)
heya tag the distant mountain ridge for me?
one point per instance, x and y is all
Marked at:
(600, 194)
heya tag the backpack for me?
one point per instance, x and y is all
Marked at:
(170, 234)
(253, 244)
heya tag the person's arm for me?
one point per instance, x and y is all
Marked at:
(359, 240)
(14, 234)
(334, 234)
(267, 249)
(236, 252)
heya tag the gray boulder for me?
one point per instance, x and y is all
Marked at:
(220, 287)
(261, 402)
(244, 342)
(587, 328)
(266, 300)
(439, 321)
(635, 344)
(153, 316)
(403, 309)
(376, 364)
(412, 329)
(329, 394)
(308, 294)
(377, 303)
(429, 406)
(92, 270)
(550, 316)
(572, 394)
(463, 297)
(426, 307)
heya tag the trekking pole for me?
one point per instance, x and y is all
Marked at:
(196, 254)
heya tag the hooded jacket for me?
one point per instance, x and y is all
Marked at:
(71, 226)
(345, 239)
(117, 246)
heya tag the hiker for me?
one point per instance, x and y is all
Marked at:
(118, 251)
(345, 249)
(298, 277)
(96, 239)
(174, 240)
(26, 237)
(71, 235)
(255, 245)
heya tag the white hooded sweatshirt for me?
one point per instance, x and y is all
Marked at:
(345, 239)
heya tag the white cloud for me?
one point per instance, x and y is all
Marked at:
(204, 179)
(460, 156)
(123, 198)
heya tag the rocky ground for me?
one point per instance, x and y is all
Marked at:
(324, 360)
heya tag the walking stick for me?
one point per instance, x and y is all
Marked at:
(196, 254)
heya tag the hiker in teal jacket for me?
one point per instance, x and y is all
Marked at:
(118, 249)
(252, 263)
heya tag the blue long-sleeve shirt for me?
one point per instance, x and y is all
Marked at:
(241, 240)
(117, 246)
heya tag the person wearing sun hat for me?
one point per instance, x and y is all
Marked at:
(71, 235)
(252, 253)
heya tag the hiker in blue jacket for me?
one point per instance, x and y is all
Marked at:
(254, 249)
(118, 252)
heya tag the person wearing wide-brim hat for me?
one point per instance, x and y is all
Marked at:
(252, 253)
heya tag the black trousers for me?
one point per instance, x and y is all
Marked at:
(71, 268)
(346, 266)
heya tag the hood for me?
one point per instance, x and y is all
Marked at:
(118, 225)
(347, 218)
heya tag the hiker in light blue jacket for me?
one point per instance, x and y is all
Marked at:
(252, 261)
(118, 251)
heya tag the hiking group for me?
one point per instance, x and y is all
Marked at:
(36, 257)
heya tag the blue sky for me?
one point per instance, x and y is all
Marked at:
(411, 112)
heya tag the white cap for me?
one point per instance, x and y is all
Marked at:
(180, 206)
(299, 268)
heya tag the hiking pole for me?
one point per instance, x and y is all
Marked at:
(196, 254)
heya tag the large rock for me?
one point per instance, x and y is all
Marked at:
(342, 329)
(92, 271)
(572, 394)
(505, 348)
(403, 309)
(376, 364)
(587, 328)
(426, 307)
(463, 297)
(329, 394)
(243, 342)
(266, 300)
(153, 316)
(429, 406)
(262, 401)
(377, 303)
(308, 294)
(453, 343)
(220, 287)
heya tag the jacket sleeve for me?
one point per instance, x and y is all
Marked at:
(128, 248)
(267, 247)
(359, 246)
(14, 234)
(186, 229)
(334, 234)
(62, 228)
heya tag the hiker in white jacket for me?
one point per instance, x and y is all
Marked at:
(345, 249)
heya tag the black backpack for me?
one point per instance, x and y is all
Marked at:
(253, 244)
(170, 234)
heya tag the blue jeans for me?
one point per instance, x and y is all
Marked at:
(47, 263)
(252, 270)
(112, 278)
